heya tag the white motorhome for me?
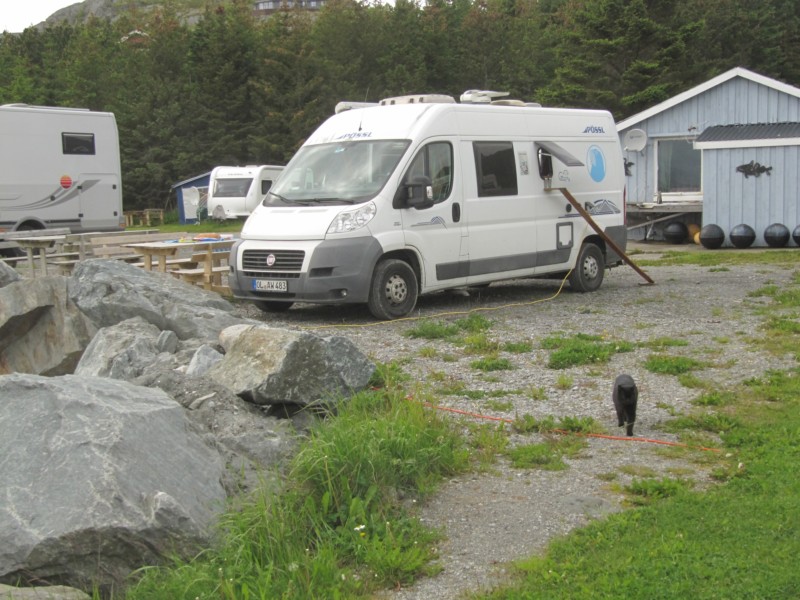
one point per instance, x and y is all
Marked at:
(419, 194)
(59, 167)
(234, 192)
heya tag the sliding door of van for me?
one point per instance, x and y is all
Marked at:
(502, 216)
(437, 232)
(99, 196)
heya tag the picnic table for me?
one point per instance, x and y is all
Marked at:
(210, 256)
(39, 245)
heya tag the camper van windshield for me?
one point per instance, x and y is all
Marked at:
(231, 188)
(343, 172)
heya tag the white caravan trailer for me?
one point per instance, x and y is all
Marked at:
(419, 194)
(233, 192)
(59, 167)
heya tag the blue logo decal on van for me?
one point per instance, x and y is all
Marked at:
(596, 163)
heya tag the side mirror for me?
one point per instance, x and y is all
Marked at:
(416, 194)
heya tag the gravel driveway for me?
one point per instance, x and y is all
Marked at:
(506, 514)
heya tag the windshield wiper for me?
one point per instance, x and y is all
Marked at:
(279, 197)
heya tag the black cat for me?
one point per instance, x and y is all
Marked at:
(625, 396)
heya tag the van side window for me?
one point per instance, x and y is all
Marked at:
(77, 143)
(495, 168)
(434, 161)
(266, 184)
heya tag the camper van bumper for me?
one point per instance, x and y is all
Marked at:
(338, 272)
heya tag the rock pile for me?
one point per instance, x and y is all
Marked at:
(132, 407)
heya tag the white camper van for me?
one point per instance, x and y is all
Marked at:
(59, 167)
(233, 192)
(419, 194)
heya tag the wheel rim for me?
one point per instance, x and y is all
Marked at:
(590, 267)
(396, 290)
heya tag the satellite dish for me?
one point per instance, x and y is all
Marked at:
(635, 139)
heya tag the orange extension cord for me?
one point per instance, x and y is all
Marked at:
(563, 432)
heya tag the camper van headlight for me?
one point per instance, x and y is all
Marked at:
(350, 220)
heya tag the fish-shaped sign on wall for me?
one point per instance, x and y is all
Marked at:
(753, 168)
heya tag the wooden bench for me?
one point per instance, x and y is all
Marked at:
(212, 263)
(148, 217)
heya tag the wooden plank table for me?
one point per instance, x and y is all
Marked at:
(40, 244)
(210, 253)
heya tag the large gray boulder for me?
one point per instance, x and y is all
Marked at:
(98, 477)
(121, 351)
(266, 365)
(7, 275)
(109, 291)
(41, 331)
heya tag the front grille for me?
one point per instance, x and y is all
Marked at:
(285, 260)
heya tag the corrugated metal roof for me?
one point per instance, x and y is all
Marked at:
(760, 131)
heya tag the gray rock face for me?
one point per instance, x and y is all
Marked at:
(110, 291)
(98, 477)
(7, 275)
(53, 592)
(277, 366)
(40, 330)
(122, 351)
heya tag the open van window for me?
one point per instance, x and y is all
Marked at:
(496, 168)
(343, 172)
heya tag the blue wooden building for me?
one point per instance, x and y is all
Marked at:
(726, 152)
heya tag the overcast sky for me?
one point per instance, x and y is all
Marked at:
(16, 15)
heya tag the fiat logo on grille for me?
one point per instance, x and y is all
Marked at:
(270, 260)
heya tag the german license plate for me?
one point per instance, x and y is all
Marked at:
(270, 285)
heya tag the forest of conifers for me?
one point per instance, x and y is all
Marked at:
(232, 89)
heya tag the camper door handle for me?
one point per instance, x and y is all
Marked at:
(456, 212)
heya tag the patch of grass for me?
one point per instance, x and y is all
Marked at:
(336, 528)
(492, 363)
(427, 352)
(638, 471)
(728, 258)
(388, 375)
(487, 441)
(537, 393)
(474, 323)
(479, 343)
(693, 382)
(713, 422)
(518, 347)
(564, 381)
(529, 424)
(579, 425)
(500, 406)
(548, 455)
(664, 342)
(716, 398)
(646, 491)
(581, 349)
(432, 330)
(671, 365)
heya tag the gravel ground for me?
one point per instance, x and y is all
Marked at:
(492, 518)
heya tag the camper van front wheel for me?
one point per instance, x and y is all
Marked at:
(393, 292)
(589, 269)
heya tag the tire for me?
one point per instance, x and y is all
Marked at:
(273, 306)
(587, 275)
(393, 291)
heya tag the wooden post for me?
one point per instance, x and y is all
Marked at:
(582, 211)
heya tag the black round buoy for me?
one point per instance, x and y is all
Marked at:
(676, 233)
(796, 235)
(712, 236)
(742, 236)
(776, 235)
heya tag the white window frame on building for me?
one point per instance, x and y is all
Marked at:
(671, 195)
